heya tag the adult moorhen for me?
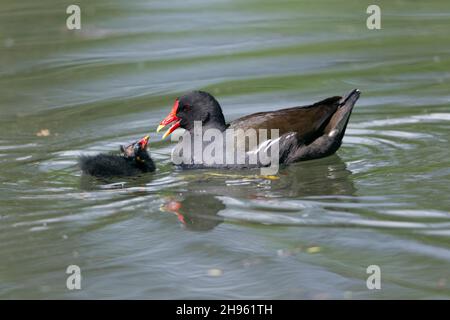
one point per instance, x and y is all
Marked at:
(134, 159)
(305, 132)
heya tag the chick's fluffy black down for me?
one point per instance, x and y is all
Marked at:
(106, 165)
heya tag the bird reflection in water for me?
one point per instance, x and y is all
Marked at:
(198, 208)
(198, 212)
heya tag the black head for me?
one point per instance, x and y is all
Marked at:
(194, 106)
(137, 152)
(199, 106)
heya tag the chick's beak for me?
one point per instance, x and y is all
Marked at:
(144, 141)
(172, 117)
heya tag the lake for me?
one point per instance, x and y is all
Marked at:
(309, 232)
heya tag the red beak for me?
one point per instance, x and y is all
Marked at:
(169, 119)
(144, 141)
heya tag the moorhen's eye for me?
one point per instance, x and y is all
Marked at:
(186, 107)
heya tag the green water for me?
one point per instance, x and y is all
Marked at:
(311, 232)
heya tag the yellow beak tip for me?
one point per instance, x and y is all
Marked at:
(165, 134)
(160, 127)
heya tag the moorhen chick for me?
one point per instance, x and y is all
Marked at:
(305, 132)
(134, 159)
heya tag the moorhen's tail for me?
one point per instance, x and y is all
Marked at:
(339, 120)
(293, 150)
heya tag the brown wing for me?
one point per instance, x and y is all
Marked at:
(307, 121)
